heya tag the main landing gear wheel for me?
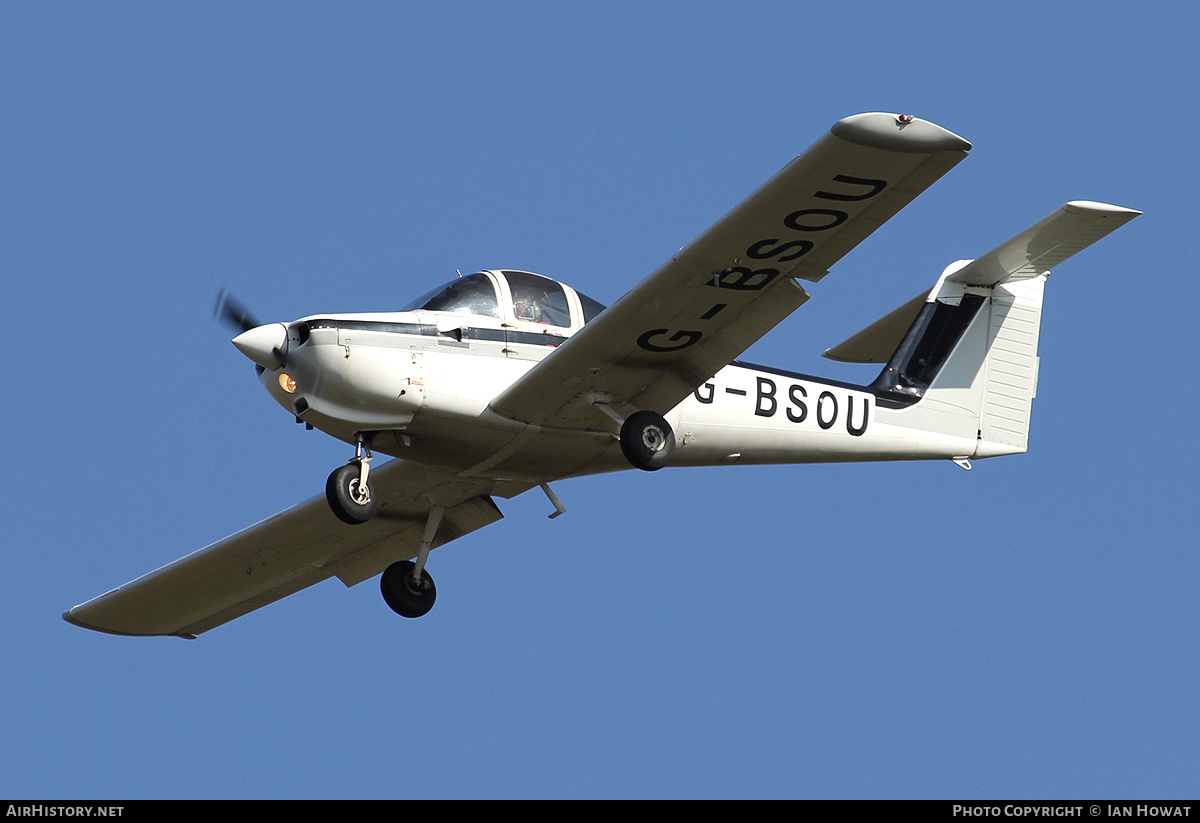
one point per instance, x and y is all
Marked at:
(647, 441)
(348, 501)
(403, 594)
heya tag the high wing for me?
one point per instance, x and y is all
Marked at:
(738, 279)
(293, 550)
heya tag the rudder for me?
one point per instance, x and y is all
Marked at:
(1011, 367)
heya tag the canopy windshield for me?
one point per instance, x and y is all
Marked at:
(538, 299)
(541, 300)
(473, 294)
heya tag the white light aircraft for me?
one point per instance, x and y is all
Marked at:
(504, 381)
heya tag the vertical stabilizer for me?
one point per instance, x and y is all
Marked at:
(967, 366)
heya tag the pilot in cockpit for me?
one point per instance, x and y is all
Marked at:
(528, 307)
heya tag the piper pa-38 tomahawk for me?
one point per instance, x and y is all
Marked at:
(504, 381)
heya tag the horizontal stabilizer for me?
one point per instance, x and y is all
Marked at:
(876, 342)
(1031, 253)
(1044, 245)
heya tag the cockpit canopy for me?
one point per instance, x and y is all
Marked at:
(526, 297)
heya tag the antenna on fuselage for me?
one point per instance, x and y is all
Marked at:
(459, 272)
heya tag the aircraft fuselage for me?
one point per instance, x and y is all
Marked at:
(425, 394)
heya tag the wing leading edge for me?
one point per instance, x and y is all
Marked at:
(738, 279)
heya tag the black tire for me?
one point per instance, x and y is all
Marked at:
(339, 491)
(647, 441)
(402, 594)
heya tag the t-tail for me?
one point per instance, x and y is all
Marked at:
(962, 361)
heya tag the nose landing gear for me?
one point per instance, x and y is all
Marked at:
(349, 489)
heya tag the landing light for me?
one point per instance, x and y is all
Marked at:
(287, 383)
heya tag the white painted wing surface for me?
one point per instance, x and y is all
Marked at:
(736, 281)
(291, 551)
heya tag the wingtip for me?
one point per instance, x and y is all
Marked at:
(898, 132)
(1105, 209)
(69, 616)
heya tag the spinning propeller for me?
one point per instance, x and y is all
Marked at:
(266, 344)
(232, 313)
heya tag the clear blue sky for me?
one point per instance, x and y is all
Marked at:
(1026, 629)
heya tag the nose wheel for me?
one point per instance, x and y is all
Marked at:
(350, 498)
(349, 490)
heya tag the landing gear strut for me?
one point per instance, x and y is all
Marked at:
(349, 490)
(406, 587)
(647, 441)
